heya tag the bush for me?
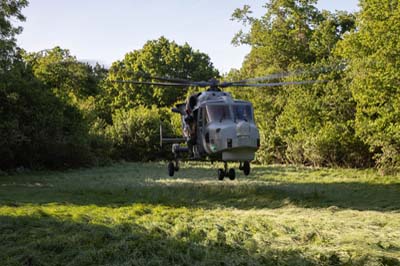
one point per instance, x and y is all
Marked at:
(100, 144)
(135, 133)
(36, 128)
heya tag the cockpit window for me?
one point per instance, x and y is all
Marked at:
(243, 112)
(218, 113)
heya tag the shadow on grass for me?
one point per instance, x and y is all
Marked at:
(197, 187)
(44, 240)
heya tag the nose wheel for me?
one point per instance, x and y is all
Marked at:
(245, 167)
(226, 173)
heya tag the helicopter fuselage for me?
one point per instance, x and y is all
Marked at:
(225, 128)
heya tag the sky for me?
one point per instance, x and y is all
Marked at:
(104, 31)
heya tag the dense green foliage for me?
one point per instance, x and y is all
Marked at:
(136, 133)
(161, 58)
(10, 10)
(64, 75)
(37, 128)
(59, 112)
(308, 124)
(131, 214)
(374, 69)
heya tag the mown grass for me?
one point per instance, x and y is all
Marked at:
(134, 214)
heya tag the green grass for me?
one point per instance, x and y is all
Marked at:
(134, 214)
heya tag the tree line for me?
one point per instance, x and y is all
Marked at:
(58, 112)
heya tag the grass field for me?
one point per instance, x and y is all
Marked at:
(134, 214)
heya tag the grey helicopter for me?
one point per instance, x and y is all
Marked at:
(215, 126)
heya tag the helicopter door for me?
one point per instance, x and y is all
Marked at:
(200, 129)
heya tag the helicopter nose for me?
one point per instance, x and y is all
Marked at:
(243, 129)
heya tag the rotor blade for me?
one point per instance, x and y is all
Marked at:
(151, 83)
(201, 83)
(182, 81)
(292, 73)
(272, 76)
(228, 84)
(268, 77)
(193, 84)
(186, 82)
(174, 80)
(274, 84)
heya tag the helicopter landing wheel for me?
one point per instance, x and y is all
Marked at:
(231, 174)
(246, 168)
(171, 169)
(221, 174)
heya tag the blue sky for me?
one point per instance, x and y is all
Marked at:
(105, 30)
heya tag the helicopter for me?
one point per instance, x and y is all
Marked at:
(215, 126)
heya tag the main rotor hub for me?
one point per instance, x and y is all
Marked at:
(214, 85)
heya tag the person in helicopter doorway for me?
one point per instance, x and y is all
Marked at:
(190, 123)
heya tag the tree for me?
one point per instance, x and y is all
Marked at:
(77, 83)
(157, 58)
(37, 129)
(329, 31)
(278, 39)
(372, 52)
(317, 124)
(63, 74)
(281, 37)
(9, 9)
(309, 124)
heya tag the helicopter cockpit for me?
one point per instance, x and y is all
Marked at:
(243, 112)
(235, 113)
(217, 113)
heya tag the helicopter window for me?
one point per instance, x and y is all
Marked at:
(218, 113)
(243, 112)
